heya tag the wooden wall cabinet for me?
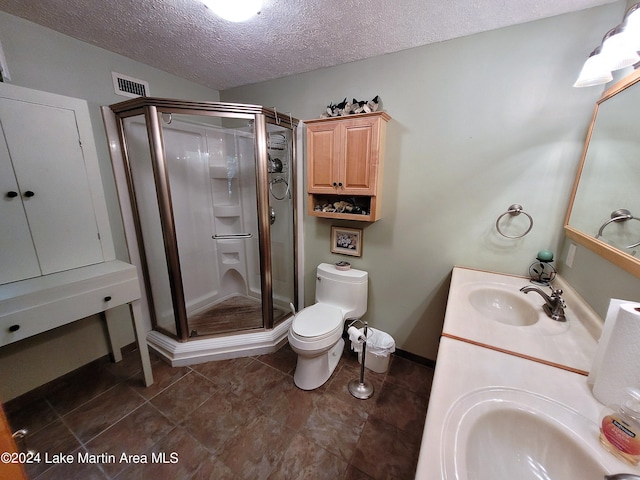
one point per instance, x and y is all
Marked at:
(345, 157)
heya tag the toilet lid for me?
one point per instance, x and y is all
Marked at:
(317, 320)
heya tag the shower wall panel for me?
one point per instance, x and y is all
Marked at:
(188, 165)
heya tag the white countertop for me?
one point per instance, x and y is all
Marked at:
(463, 368)
(480, 357)
(571, 344)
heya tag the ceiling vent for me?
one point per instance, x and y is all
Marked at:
(128, 86)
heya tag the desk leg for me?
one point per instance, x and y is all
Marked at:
(116, 353)
(141, 338)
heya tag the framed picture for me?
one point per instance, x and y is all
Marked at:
(346, 241)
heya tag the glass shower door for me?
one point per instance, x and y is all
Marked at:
(212, 174)
(281, 207)
(158, 277)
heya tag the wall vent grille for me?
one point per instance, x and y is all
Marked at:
(129, 86)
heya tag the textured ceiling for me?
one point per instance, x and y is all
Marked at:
(289, 36)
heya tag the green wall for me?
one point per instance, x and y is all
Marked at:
(478, 123)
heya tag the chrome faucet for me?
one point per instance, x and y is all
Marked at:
(553, 305)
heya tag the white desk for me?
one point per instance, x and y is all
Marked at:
(33, 306)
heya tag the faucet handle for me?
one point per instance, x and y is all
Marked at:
(556, 294)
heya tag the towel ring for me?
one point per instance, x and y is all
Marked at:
(514, 210)
(620, 215)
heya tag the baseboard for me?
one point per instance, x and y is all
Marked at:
(416, 358)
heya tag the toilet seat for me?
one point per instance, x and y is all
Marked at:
(317, 321)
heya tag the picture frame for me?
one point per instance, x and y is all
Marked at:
(346, 241)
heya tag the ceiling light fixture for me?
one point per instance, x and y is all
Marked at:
(619, 49)
(234, 10)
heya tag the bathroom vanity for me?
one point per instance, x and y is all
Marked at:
(510, 397)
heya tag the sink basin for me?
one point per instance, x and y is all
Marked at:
(503, 305)
(499, 433)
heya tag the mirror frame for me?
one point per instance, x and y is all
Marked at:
(617, 257)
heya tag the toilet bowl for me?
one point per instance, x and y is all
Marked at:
(315, 334)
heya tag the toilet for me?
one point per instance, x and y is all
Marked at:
(316, 331)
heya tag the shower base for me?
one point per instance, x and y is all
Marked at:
(231, 345)
(230, 315)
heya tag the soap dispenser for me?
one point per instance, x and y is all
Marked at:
(620, 428)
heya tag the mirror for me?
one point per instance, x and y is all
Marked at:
(604, 212)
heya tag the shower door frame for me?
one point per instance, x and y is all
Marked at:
(152, 109)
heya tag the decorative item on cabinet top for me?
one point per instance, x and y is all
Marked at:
(345, 159)
(353, 107)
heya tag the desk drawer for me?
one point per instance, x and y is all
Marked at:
(77, 303)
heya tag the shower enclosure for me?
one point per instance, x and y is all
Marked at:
(212, 199)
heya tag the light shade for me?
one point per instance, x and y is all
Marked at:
(632, 26)
(234, 10)
(595, 71)
(617, 50)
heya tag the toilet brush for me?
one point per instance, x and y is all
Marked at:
(358, 387)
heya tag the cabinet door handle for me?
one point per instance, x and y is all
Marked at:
(12, 194)
(14, 328)
(107, 298)
(29, 194)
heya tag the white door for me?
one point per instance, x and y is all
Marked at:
(48, 161)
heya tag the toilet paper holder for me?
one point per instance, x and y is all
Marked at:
(358, 387)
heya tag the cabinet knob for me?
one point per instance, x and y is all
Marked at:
(339, 184)
(107, 298)
(14, 328)
(12, 194)
(29, 194)
(335, 184)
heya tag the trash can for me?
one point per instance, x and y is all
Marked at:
(380, 345)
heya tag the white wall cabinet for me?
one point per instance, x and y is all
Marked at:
(57, 259)
(45, 178)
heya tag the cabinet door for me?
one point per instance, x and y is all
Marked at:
(48, 162)
(360, 156)
(18, 259)
(323, 143)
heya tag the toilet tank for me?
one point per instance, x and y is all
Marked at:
(346, 289)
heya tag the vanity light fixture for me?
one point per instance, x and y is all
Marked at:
(632, 26)
(234, 10)
(619, 49)
(594, 71)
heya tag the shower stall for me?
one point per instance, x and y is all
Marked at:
(210, 190)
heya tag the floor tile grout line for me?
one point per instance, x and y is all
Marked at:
(82, 444)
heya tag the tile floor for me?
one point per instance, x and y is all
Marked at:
(233, 419)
